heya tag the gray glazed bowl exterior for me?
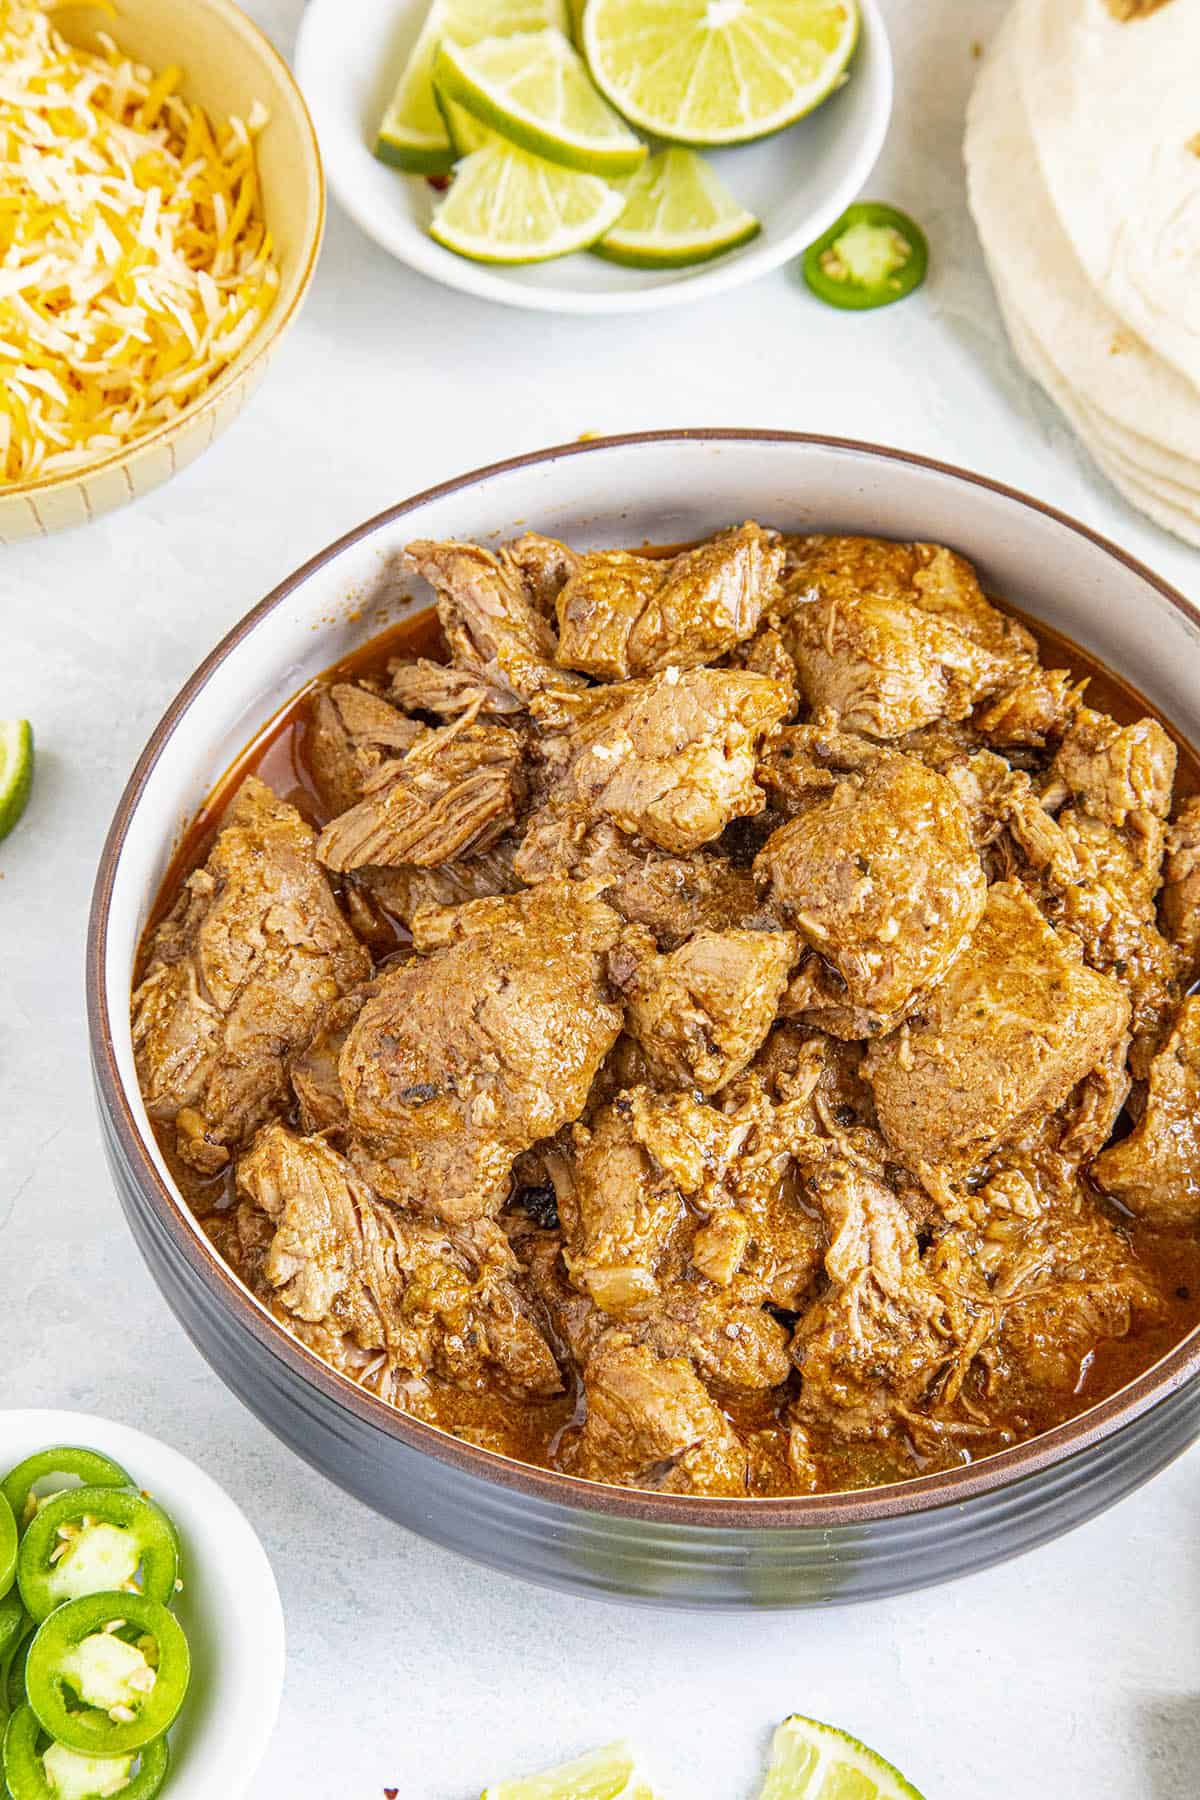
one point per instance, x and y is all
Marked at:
(545, 1527)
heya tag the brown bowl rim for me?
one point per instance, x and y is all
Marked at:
(273, 326)
(859, 1507)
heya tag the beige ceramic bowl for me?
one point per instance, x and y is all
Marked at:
(228, 64)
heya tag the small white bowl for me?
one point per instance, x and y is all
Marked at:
(349, 57)
(229, 1606)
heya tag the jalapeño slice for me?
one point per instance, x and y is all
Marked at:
(14, 1675)
(12, 1623)
(95, 1691)
(37, 1768)
(90, 1540)
(14, 1628)
(87, 1466)
(871, 257)
(8, 1545)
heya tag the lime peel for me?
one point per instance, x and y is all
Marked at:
(677, 212)
(16, 771)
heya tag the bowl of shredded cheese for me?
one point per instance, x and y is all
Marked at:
(160, 219)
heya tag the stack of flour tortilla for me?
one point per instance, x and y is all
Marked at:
(1083, 166)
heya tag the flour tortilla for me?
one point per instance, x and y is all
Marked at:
(1098, 357)
(1113, 107)
(1158, 467)
(1156, 464)
(1175, 510)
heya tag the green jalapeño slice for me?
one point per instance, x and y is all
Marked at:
(12, 1623)
(69, 1460)
(13, 1695)
(8, 1545)
(37, 1768)
(14, 1627)
(89, 1540)
(96, 1686)
(871, 257)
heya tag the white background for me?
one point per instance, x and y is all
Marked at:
(1075, 1672)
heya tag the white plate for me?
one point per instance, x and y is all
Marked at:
(348, 60)
(229, 1606)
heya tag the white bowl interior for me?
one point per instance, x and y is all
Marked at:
(229, 1606)
(350, 55)
(664, 490)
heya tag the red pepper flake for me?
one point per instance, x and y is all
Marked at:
(439, 183)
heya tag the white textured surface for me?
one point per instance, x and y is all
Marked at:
(1073, 1672)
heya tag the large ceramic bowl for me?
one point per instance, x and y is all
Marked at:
(548, 1527)
(227, 65)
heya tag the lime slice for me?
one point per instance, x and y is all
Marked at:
(412, 135)
(677, 212)
(509, 207)
(608, 1774)
(16, 770)
(534, 89)
(718, 71)
(810, 1761)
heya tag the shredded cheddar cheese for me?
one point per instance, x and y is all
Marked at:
(134, 259)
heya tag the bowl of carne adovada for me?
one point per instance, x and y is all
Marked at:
(670, 1071)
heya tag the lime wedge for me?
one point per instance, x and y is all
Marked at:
(506, 206)
(16, 770)
(412, 135)
(465, 131)
(607, 1774)
(534, 89)
(718, 71)
(810, 1761)
(677, 211)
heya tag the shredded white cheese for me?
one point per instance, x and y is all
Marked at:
(134, 259)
